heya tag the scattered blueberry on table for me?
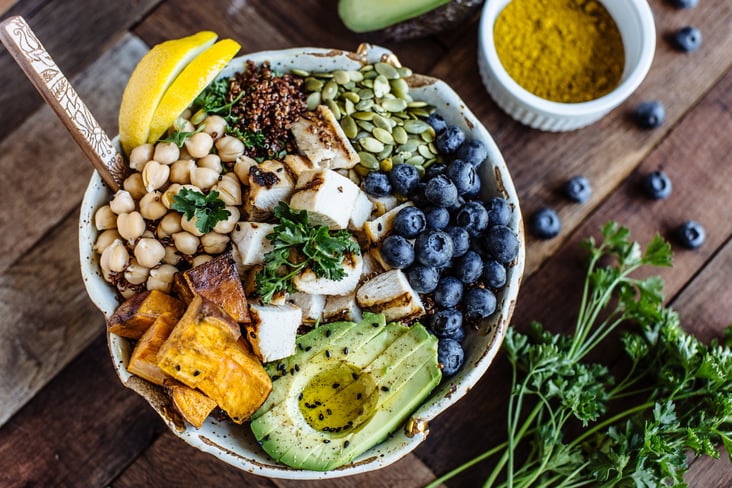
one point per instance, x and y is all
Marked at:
(650, 114)
(545, 223)
(657, 185)
(687, 39)
(577, 189)
(690, 234)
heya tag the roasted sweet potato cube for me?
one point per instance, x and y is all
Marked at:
(136, 314)
(197, 342)
(218, 280)
(240, 384)
(144, 358)
(192, 404)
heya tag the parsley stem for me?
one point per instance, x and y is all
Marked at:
(471, 463)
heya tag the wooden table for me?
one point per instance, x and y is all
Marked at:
(67, 421)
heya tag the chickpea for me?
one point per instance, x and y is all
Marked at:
(149, 252)
(242, 167)
(115, 257)
(229, 148)
(133, 184)
(212, 161)
(183, 125)
(214, 243)
(140, 155)
(169, 194)
(135, 273)
(126, 292)
(170, 224)
(151, 207)
(204, 177)
(227, 225)
(186, 242)
(155, 175)
(161, 278)
(104, 218)
(171, 255)
(122, 202)
(105, 239)
(166, 153)
(130, 225)
(215, 126)
(199, 117)
(189, 225)
(180, 171)
(229, 189)
(200, 259)
(199, 144)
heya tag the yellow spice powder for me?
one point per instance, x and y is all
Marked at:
(561, 50)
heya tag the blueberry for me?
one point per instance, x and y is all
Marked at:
(450, 355)
(577, 189)
(460, 239)
(437, 217)
(474, 152)
(404, 178)
(683, 3)
(423, 278)
(433, 248)
(449, 292)
(545, 223)
(650, 115)
(434, 170)
(453, 209)
(468, 268)
(397, 252)
(463, 176)
(450, 140)
(409, 222)
(687, 39)
(494, 273)
(501, 242)
(479, 302)
(441, 191)
(437, 122)
(446, 322)
(474, 217)
(690, 234)
(657, 185)
(377, 183)
(499, 211)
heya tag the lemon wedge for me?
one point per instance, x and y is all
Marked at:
(150, 80)
(189, 84)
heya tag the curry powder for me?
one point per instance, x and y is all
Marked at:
(561, 50)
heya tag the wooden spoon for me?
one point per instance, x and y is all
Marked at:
(53, 86)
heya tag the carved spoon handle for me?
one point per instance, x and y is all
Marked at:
(56, 90)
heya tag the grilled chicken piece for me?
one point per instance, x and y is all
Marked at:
(362, 209)
(251, 243)
(273, 330)
(376, 230)
(269, 184)
(308, 282)
(328, 197)
(296, 164)
(345, 307)
(320, 137)
(391, 294)
(311, 305)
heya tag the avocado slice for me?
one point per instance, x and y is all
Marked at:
(345, 389)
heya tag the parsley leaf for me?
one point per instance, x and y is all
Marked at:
(207, 210)
(215, 100)
(297, 245)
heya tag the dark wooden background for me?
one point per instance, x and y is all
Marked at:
(67, 421)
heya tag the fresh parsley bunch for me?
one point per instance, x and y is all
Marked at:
(207, 209)
(676, 395)
(298, 245)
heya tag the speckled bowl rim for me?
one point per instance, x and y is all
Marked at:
(235, 444)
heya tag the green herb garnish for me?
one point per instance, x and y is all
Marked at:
(676, 394)
(251, 140)
(179, 136)
(208, 210)
(298, 245)
(214, 100)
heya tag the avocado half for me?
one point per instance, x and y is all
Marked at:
(348, 386)
(396, 20)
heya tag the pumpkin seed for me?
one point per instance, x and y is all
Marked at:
(417, 104)
(341, 77)
(386, 152)
(313, 84)
(397, 159)
(415, 160)
(362, 170)
(368, 160)
(381, 86)
(368, 83)
(404, 72)
(400, 88)
(429, 163)
(364, 105)
(372, 145)
(370, 75)
(421, 112)
(365, 94)
(313, 100)
(386, 164)
(365, 125)
(334, 108)
(383, 135)
(355, 76)
(366, 67)
(382, 122)
(352, 96)
(399, 135)
(361, 115)
(199, 117)
(416, 126)
(323, 74)
(387, 70)
(349, 107)
(330, 90)
(299, 72)
(410, 146)
(424, 151)
(349, 127)
(394, 104)
(428, 135)
(433, 148)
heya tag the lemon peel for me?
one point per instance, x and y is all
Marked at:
(189, 84)
(150, 80)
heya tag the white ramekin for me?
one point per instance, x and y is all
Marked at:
(637, 30)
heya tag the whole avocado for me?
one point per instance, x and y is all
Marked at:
(398, 20)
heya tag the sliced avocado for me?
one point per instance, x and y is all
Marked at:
(346, 388)
(371, 15)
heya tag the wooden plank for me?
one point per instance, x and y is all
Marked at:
(608, 151)
(75, 33)
(691, 155)
(709, 472)
(81, 430)
(275, 25)
(45, 172)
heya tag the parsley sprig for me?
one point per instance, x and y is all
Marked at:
(207, 209)
(676, 394)
(298, 245)
(215, 100)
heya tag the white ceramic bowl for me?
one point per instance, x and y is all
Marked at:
(637, 30)
(235, 444)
